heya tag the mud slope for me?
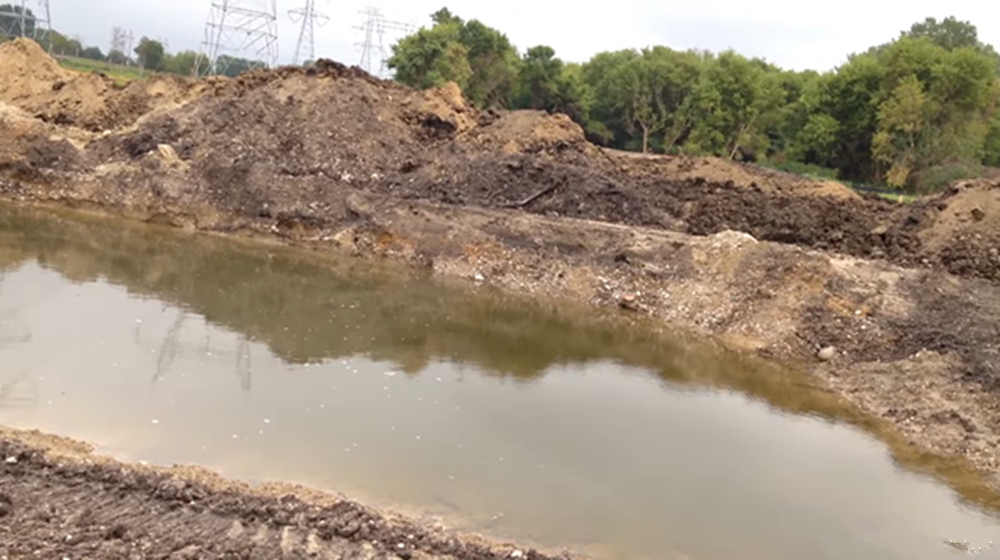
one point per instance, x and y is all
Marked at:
(337, 159)
(281, 139)
(75, 505)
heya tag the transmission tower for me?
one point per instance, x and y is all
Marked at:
(375, 28)
(305, 48)
(26, 19)
(239, 29)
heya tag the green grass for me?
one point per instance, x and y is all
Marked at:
(119, 73)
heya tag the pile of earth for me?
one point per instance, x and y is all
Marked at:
(34, 82)
(286, 141)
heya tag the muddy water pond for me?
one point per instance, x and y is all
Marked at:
(551, 426)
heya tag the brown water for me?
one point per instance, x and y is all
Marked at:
(551, 426)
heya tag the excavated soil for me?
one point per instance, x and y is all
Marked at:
(907, 295)
(57, 500)
(239, 141)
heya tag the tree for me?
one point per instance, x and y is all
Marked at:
(150, 54)
(232, 66)
(539, 80)
(431, 57)
(93, 53)
(477, 57)
(949, 33)
(494, 63)
(607, 124)
(11, 19)
(183, 63)
(117, 57)
(64, 45)
(730, 100)
(902, 127)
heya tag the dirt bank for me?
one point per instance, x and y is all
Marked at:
(57, 500)
(770, 262)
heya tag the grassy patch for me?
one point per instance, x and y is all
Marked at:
(118, 72)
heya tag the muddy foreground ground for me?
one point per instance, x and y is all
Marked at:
(59, 501)
(907, 296)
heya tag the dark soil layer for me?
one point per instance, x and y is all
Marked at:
(284, 138)
(104, 510)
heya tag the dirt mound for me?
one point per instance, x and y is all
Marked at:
(275, 142)
(28, 71)
(529, 132)
(717, 170)
(34, 82)
(964, 228)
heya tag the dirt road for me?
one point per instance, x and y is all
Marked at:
(903, 298)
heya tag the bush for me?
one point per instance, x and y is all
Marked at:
(936, 179)
(803, 169)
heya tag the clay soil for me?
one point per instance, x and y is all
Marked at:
(908, 295)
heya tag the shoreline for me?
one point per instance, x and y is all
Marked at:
(925, 434)
(54, 486)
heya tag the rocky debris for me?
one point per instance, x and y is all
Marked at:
(827, 354)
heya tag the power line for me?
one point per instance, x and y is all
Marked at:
(239, 28)
(372, 46)
(27, 19)
(305, 48)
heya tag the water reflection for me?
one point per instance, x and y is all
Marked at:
(534, 422)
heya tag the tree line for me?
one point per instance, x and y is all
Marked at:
(915, 113)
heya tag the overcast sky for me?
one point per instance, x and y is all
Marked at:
(791, 33)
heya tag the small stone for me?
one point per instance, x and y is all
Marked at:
(629, 301)
(827, 354)
(517, 554)
(880, 230)
(978, 214)
(11, 460)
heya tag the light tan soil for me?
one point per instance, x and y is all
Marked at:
(334, 159)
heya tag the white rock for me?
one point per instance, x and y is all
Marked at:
(827, 354)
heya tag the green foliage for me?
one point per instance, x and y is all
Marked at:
(936, 178)
(732, 99)
(150, 54)
(92, 53)
(232, 66)
(991, 155)
(803, 169)
(11, 21)
(117, 57)
(911, 113)
(480, 59)
(62, 45)
(949, 33)
(183, 63)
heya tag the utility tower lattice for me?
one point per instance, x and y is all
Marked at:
(16, 22)
(239, 29)
(375, 28)
(305, 48)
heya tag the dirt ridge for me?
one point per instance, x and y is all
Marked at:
(65, 501)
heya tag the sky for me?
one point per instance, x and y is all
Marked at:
(790, 33)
